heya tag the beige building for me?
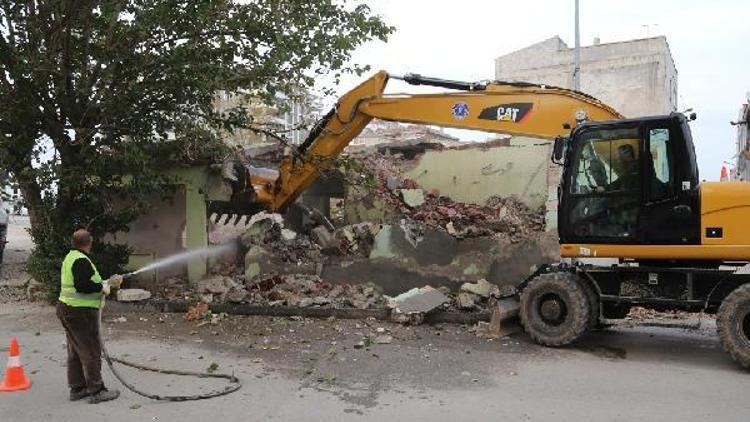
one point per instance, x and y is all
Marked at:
(288, 118)
(636, 77)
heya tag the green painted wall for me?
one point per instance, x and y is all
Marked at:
(158, 233)
(474, 175)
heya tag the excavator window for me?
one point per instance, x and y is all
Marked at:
(608, 160)
(662, 178)
(605, 189)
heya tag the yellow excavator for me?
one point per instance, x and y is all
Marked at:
(630, 190)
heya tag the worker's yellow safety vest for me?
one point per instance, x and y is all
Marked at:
(68, 293)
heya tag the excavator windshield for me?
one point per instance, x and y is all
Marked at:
(608, 160)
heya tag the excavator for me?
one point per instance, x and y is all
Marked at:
(637, 227)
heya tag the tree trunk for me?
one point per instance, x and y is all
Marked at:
(32, 195)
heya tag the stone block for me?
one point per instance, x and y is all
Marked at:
(413, 197)
(466, 300)
(132, 295)
(480, 288)
(420, 300)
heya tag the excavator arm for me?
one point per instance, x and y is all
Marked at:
(523, 109)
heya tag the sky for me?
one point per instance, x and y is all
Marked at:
(709, 41)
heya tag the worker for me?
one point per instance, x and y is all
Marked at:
(630, 177)
(81, 291)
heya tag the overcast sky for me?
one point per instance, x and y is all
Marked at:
(709, 41)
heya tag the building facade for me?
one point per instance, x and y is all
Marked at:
(636, 77)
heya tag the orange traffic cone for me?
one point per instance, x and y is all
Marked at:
(15, 379)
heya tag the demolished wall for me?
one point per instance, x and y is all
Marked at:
(414, 214)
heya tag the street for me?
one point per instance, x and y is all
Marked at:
(305, 369)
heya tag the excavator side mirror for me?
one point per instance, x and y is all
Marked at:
(558, 149)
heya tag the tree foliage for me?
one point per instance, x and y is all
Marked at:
(98, 95)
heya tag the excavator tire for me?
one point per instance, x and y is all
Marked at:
(733, 324)
(554, 308)
(593, 297)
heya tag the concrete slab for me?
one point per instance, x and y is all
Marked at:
(132, 295)
(421, 300)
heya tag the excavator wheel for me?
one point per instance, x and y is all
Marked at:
(555, 309)
(733, 324)
(593, 297)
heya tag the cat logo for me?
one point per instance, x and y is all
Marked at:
(515, 112)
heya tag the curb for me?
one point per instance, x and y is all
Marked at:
(167, 306)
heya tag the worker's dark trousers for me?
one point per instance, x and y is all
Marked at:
(84, 351)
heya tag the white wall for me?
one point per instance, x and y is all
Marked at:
(638, 77)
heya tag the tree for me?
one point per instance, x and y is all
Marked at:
(97, 95)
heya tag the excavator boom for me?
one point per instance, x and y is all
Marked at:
(512, 108)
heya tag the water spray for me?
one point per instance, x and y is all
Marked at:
(178, 258)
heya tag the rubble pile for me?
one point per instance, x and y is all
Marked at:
(281, 267)
(310, 291)
(508, 217)
(498, 217)
(266, 231)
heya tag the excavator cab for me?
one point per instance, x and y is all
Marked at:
(632, 181)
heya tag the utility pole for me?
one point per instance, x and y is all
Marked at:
(577, 63)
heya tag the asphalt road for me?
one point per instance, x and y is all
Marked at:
(296, 370)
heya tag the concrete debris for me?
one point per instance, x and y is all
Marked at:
(304, 291)
(236, 294)
(413, 197)
(413, 231)
(288, 235)
(467, 301)
(272, 249)
(424, 236)
(324, 238)
(383, 339)
(481, 288)
(218, 285)
(221, 289)
(305, 302)
(393, 183)
(357, 239)
(416, 301)
(512, 219)
(505, 217)
(507, 291)
(132, 295)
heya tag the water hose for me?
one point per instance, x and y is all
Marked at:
(234, 381)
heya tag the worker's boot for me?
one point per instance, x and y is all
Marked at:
(104, 395)
(78, 394)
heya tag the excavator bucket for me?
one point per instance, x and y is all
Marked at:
(243, 203)
(222, 212)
